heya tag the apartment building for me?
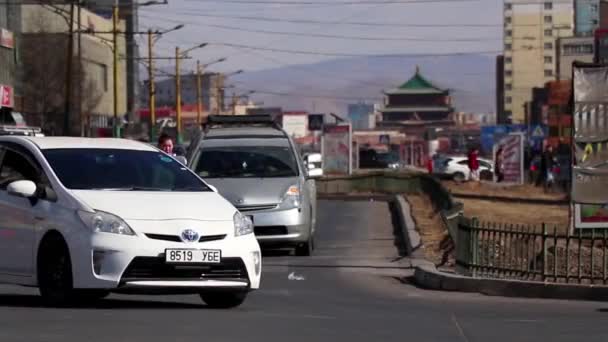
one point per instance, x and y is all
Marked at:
(530, 48)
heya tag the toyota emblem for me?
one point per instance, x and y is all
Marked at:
(189, 235)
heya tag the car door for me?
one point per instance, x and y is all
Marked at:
(18, 216)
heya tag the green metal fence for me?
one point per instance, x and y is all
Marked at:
(510, 251)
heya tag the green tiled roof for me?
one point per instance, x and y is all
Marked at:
(417, 82)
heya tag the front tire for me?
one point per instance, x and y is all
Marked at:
(223, 300)
(306, 248)
(55, 281)
(459, 177)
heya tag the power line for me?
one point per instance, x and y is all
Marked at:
(329, 22)
(300, 34)
(339, 54)
(360, 2)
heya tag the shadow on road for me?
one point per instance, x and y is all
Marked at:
(267, 252)
(33, 301)
(398, 230)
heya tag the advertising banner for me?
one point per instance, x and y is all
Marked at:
(7, 39)
(6, 96)
(509, 159)
(336, 148)
(590, 138)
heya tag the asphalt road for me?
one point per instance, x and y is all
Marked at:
(354, 289)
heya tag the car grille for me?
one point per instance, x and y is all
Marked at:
(270, 230)
(155, 268)
(245, 208)
(175, 238)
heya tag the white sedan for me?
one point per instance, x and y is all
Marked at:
(80, 218)
(457, 168)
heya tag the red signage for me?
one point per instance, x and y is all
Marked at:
(6, 96)
(7, 39)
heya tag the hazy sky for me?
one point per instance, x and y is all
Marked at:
(427, 40)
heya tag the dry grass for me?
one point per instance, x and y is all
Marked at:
(513, 213)
(430, 226)
(491, 189)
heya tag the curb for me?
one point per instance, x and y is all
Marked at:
(412, 239)
(510, 199)
(427, 276)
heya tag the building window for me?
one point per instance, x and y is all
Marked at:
(548, 32)
(508, 73)
(548, 5)
(508, 6)
(593, 7)
(548, 73)
(508, 60)
(508, 20)
(508, 33)
(508, 46)
(578, 49)
(548, 59)
(508, 86)
(548, 46)
(548, 19)
(508, 99)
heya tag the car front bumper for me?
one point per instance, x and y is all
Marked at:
(281, 227)
(137, 263)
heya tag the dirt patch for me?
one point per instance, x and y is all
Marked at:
(434, 234)
(518, 214)
(489, 189)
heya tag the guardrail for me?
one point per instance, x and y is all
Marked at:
(531, 253)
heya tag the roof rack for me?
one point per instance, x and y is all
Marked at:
(242, 120)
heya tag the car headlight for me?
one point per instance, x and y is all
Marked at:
(292, 198)
(103, 222)
(242, 224)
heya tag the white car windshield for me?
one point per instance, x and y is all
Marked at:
(116, 169)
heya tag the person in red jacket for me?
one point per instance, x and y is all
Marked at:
(473, 161)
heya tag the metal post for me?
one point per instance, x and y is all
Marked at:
(68, 73)
(151, 88)
(116, 128)
(199, 98)
(80, 71)
(544, 251)
(178, 97)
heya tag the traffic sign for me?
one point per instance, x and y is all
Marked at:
(538, 132)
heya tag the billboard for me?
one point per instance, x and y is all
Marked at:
(295, 124)
(315, 122)
(336, 146)
(509, 156)
(590, 164)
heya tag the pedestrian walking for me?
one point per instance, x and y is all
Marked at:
(498, 165)
(548, 163)
(165, 143)
(473, 163)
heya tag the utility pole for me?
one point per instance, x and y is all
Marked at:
(178, 97)
(80, 71)
(218, 87)
(199, 96)
(234, 100)
(68, 72)
(116, 127)
(151, 85)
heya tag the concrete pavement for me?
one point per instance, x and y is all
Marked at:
(355, 288)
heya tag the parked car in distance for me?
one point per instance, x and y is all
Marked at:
(457, 168)
(256, 165)
(87, 217)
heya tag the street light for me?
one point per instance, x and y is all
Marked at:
(199, 97)
(153, 38)
(178, 94)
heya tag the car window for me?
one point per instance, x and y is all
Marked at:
(485, 164)
(246, 162)
(115, 169)
(463, 162)
(16, 167)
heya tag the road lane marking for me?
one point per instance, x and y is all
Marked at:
(459, 328)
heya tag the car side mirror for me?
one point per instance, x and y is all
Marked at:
(315, 173)
(23, 188)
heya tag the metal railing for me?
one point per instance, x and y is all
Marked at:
(509, 251)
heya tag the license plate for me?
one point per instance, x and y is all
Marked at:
(178, 256)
